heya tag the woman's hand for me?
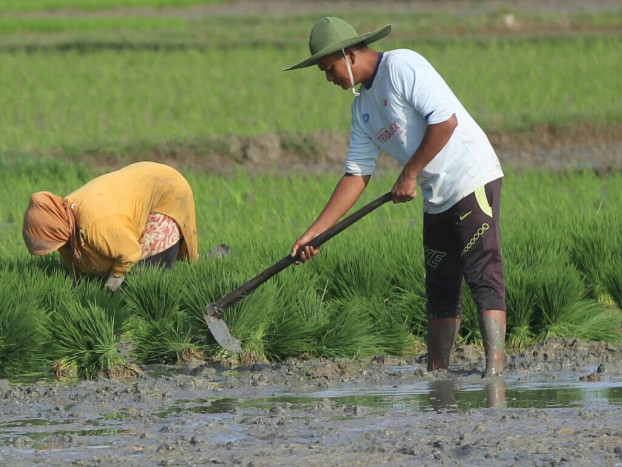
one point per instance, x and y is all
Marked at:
(113, 283)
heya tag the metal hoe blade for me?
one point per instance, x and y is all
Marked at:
(220, 331)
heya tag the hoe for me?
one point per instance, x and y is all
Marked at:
(215, 310)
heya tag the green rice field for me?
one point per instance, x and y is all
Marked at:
(82, 91)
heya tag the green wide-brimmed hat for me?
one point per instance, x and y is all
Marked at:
(331, 34)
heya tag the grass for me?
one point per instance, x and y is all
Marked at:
(51, 5)
(136, 84)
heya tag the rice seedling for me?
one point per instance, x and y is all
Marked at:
(22, 324)
(390, 327)
(521, 303)
(363, 273)
(597, 322)
(83, 336)
(349, 332)
(611, 277)
(212, 278)
(91, 291)
(301, 313)
(469, 325)
(165, 342)
(162, 333)
(562, 304)
(589, 249)
(410, 305)
(152, 294)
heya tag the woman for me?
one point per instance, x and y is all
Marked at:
(143, 213)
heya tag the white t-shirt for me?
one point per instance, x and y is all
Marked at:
(407, 94)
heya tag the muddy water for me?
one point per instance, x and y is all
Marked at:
(559, 404)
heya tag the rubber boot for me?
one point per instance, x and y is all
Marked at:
(492, 327)
(442, 333)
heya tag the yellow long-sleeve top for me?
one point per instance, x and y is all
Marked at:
(111, 214)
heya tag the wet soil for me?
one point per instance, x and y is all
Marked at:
(378, 411)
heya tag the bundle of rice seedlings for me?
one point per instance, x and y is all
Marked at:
(611, 277)
(391, 327)
(45, 274)
(168, 341)
(596, 322)
(409, 305)
(299, 312)
(563, 307)
(362, 271)
(207, 282)
(152, 293)
(533, 243)
(209, 279)
(350, 331)
(91, 290)
(162, 333)
(401, 251)
(22, 325)
(589, 249)
(84, 336)
(521, 304)
(251, 320)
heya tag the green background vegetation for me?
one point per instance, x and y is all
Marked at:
(87, 80)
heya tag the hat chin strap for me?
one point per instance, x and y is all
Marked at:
(350, 73)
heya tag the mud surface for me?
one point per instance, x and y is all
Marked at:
(555, 404)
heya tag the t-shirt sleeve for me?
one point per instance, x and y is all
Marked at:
(363, 152)
(426, 90)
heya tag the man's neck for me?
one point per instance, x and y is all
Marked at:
(370, 61)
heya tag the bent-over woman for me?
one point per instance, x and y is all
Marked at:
(140, 214)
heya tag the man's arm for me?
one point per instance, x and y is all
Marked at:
(346, 193)
(435, 138)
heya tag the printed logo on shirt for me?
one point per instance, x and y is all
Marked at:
(385, 134)
(366, 117)
(385, 102)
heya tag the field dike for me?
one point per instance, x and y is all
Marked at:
(545, 147)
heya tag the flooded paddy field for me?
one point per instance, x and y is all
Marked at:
(555, 404)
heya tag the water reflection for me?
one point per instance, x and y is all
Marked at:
(442, 395)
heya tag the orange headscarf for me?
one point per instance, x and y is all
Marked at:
(49, 223)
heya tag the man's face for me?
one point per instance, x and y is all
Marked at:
(334, 67)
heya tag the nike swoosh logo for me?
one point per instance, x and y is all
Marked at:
(465, 215)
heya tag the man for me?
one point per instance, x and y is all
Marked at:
(141, 214)
(405, 108)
